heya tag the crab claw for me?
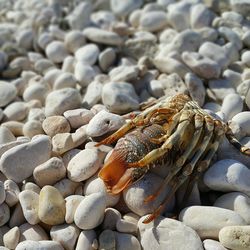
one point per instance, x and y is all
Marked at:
(115, 173)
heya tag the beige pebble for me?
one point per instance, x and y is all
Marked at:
(32, 232)
(32, 128)
(15, 127)
(11, 238)
(39, 245)
(51, 206)
(29, 201)
(55, 124)
(49, 172)
(72, 203)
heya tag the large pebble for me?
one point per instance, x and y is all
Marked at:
(126, 241)
(39, 245)
(165, 233)
(66, 235)
(102, 36)
(126, 7)
(19, 162)
(90, 212)
(16, 111)
(135, 195)
(51, 206)
(235, 237)
(208, 221)
(59, 101)
(11, 238)
(213, 245)
(7, 93)
(29, 201)
(228, 175)
(53, 125)
(87, 54)
(72, 203)
(237, 202)
(74, 40)
(49, 172)
(104, 122)
(85, 240)
(123, 98)
(84, 165)
(56, 51)
(4, 214)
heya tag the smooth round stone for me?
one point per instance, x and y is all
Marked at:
(245, 58)
(6, 136)
(232, 105)
(16, 111)
(3, 230)
(49, 172)
(246, 38)
(196, 88)
(11, 238)
(87, 54)
(120, 97)
(44, 39)
(32, 128)
(56, 51)
(124, 73)
(67, 187)
(228, 175)
(57, 124)
(96, 185)
(235, 237)
(12, 191)
(66, 235)
(230, 36)
(68, 64)
(74, 40)
(165, 233)
(39, 245)
(237, 202)
(153, 21)
(3, 60)
(107, 240)
(242, 122)
(19, 162)
(155, 88)
(213, 245)
(111, 217)
(51, 206)
(84, 73)
(43, 65)
(208, 221)
(93, 94)
(124, 226)
(2, 193)
(85, 240)
(32, 232)
(104, 122)
(65, 80)
(36, 91)
(72, 202)
(84, 165)
(15, 127)
(136, 193)
(25, 39)
(123, 8)
(29, 201)
(8, 93)
(202, 66)
(126, 241)
(51, 75)
(31, 187)
(90, 212)
(58, 101)
(102, 36)
(106, 58)
(4, 214)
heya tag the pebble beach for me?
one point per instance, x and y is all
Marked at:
(71, 73)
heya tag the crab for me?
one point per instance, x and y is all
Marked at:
(173, 129)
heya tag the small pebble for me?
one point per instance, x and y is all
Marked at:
(72, 203)
(56, 51)
(74, 40)
(107, 58)
(32, 232)
(85, 240)
(6, 136)
(213, 245)
(124, 8)
(4, 214)
(84, 73)
(8, 93)
(11, 238)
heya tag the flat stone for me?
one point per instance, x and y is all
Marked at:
(124, 73)
(19, 162)
(16, 111)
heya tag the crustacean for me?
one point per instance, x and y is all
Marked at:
(171, 129)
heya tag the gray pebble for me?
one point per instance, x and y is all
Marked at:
(124, 73)
(93, 93)
(7, 93)
(3, 60)
(84, 73)
(245, 58)
(123, 8)
(6, 135)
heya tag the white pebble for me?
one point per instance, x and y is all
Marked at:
(6, 136)
(72, 203)
(106, 58)
(39, 245)
(123, 8)
(74, 40)
(56, 51)
(84, 73)
(8, 93)
(87, 54)
(85, 240)
(11, 238)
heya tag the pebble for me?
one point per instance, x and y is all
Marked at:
(153, 21)
(66, 235)
(32, 187)
(102, 36)
(11, 193)
(78, 117)
(19, 162)
(207, 221)
(51, 206)
(11, 238)
(3, 60)
(2, 192)
(39, 245)
(135, 194)
(56, 124)
(3, 230)
(84, 73)
(66, 187)
(8, 93)
(36, 91)
(16, 111)
(228, 175)
(32, 128)
(167, 233)
(235, 237)
(126, 241)
(123, 98)
(56, 51)
(103, 123)
(15, 127)
(236, 201)
(106, 58)
(74, 40)
(241, 122)
(32, 232)
(6, 136)
(245, 58)
(72, 202)
(65, 80)
(213, 245)
(90, 212)
(246, 38)
(93, 94)
(59, 101)
(125, 8)
(87, 54)
(202, 66)
(107, 240)
(83, 165)
(124, 73)
(85, 240)
(29, 201)
(4, 214)
(49, 172)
